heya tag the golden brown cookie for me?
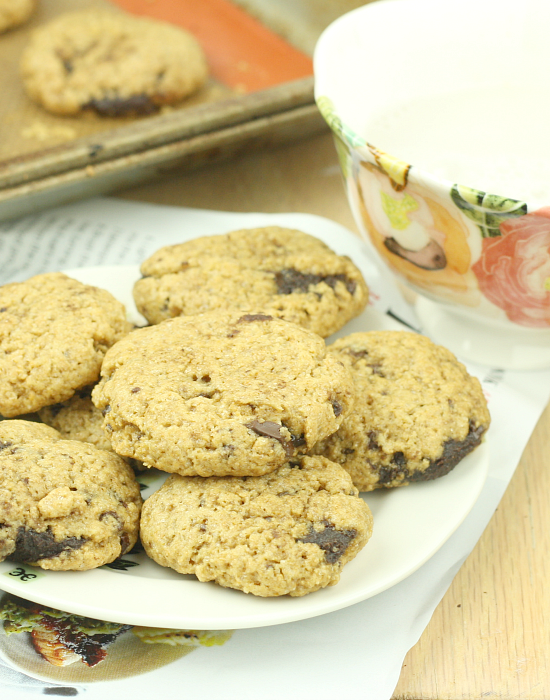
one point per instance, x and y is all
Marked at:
(288, 532)
(64, 504)
(417, 413)
(15, 12)
(78, 419)
(54, 332)
(112, 63)
(222, 393)
(282, 272)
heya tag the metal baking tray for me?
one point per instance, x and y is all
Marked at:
(260, 94)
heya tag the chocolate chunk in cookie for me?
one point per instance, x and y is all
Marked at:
(418, 411)
(281, 272)
(64, 504)
(219, 396)
(286, 533)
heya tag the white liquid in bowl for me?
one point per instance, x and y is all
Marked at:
(496, 139)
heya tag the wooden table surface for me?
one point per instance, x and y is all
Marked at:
(490, 635)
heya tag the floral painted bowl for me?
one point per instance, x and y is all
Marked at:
(434, 107)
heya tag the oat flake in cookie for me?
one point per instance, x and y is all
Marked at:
(288, 532)
(15, 12)
(111, 63)
(222, 393)
(417, 414)
(286, 273)
(54, 332)
(64, 504)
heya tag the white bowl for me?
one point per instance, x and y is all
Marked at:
(440, 114)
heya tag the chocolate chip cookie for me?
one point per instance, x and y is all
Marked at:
(54, 332)
(64, 504)
(15, 12)
(77, 419)
(111, 63)
(417, 414)
(288, 532)
(282, 272)
(222, 393)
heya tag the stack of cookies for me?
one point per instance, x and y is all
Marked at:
(267, 433)
(64, 504)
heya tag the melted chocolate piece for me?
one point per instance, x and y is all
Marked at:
(373, 442)
(273, 430)
(32, 546)
(357, 353)
(4, 445)
(124, 543)
(122, 106)
(290, 280)
(332, 541)
(387, 474)
(298, 440)
(336, 407)
(248, 318)
(453, 452)
(399, 459)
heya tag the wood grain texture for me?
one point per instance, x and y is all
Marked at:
(489, 636)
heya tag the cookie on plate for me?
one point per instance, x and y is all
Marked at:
(64, 504)
(78, 419)
(54, 332)
(111, 63)
(288, 532)
(221, 393)
(283, 272)
(417, 413)
(15, 12)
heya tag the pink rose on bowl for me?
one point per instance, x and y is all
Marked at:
(513, 270)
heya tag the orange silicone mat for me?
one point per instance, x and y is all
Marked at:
(242, 52)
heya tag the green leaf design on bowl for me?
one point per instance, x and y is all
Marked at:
(488, 211)
(326, 107)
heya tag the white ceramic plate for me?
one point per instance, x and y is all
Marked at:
(410, 525)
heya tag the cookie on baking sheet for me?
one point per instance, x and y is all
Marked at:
(112, 63)
(221, 393)
(15, 12)
(283, 272)
(54, 332)
(288, 532)
(417, 412)
(64, 504)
